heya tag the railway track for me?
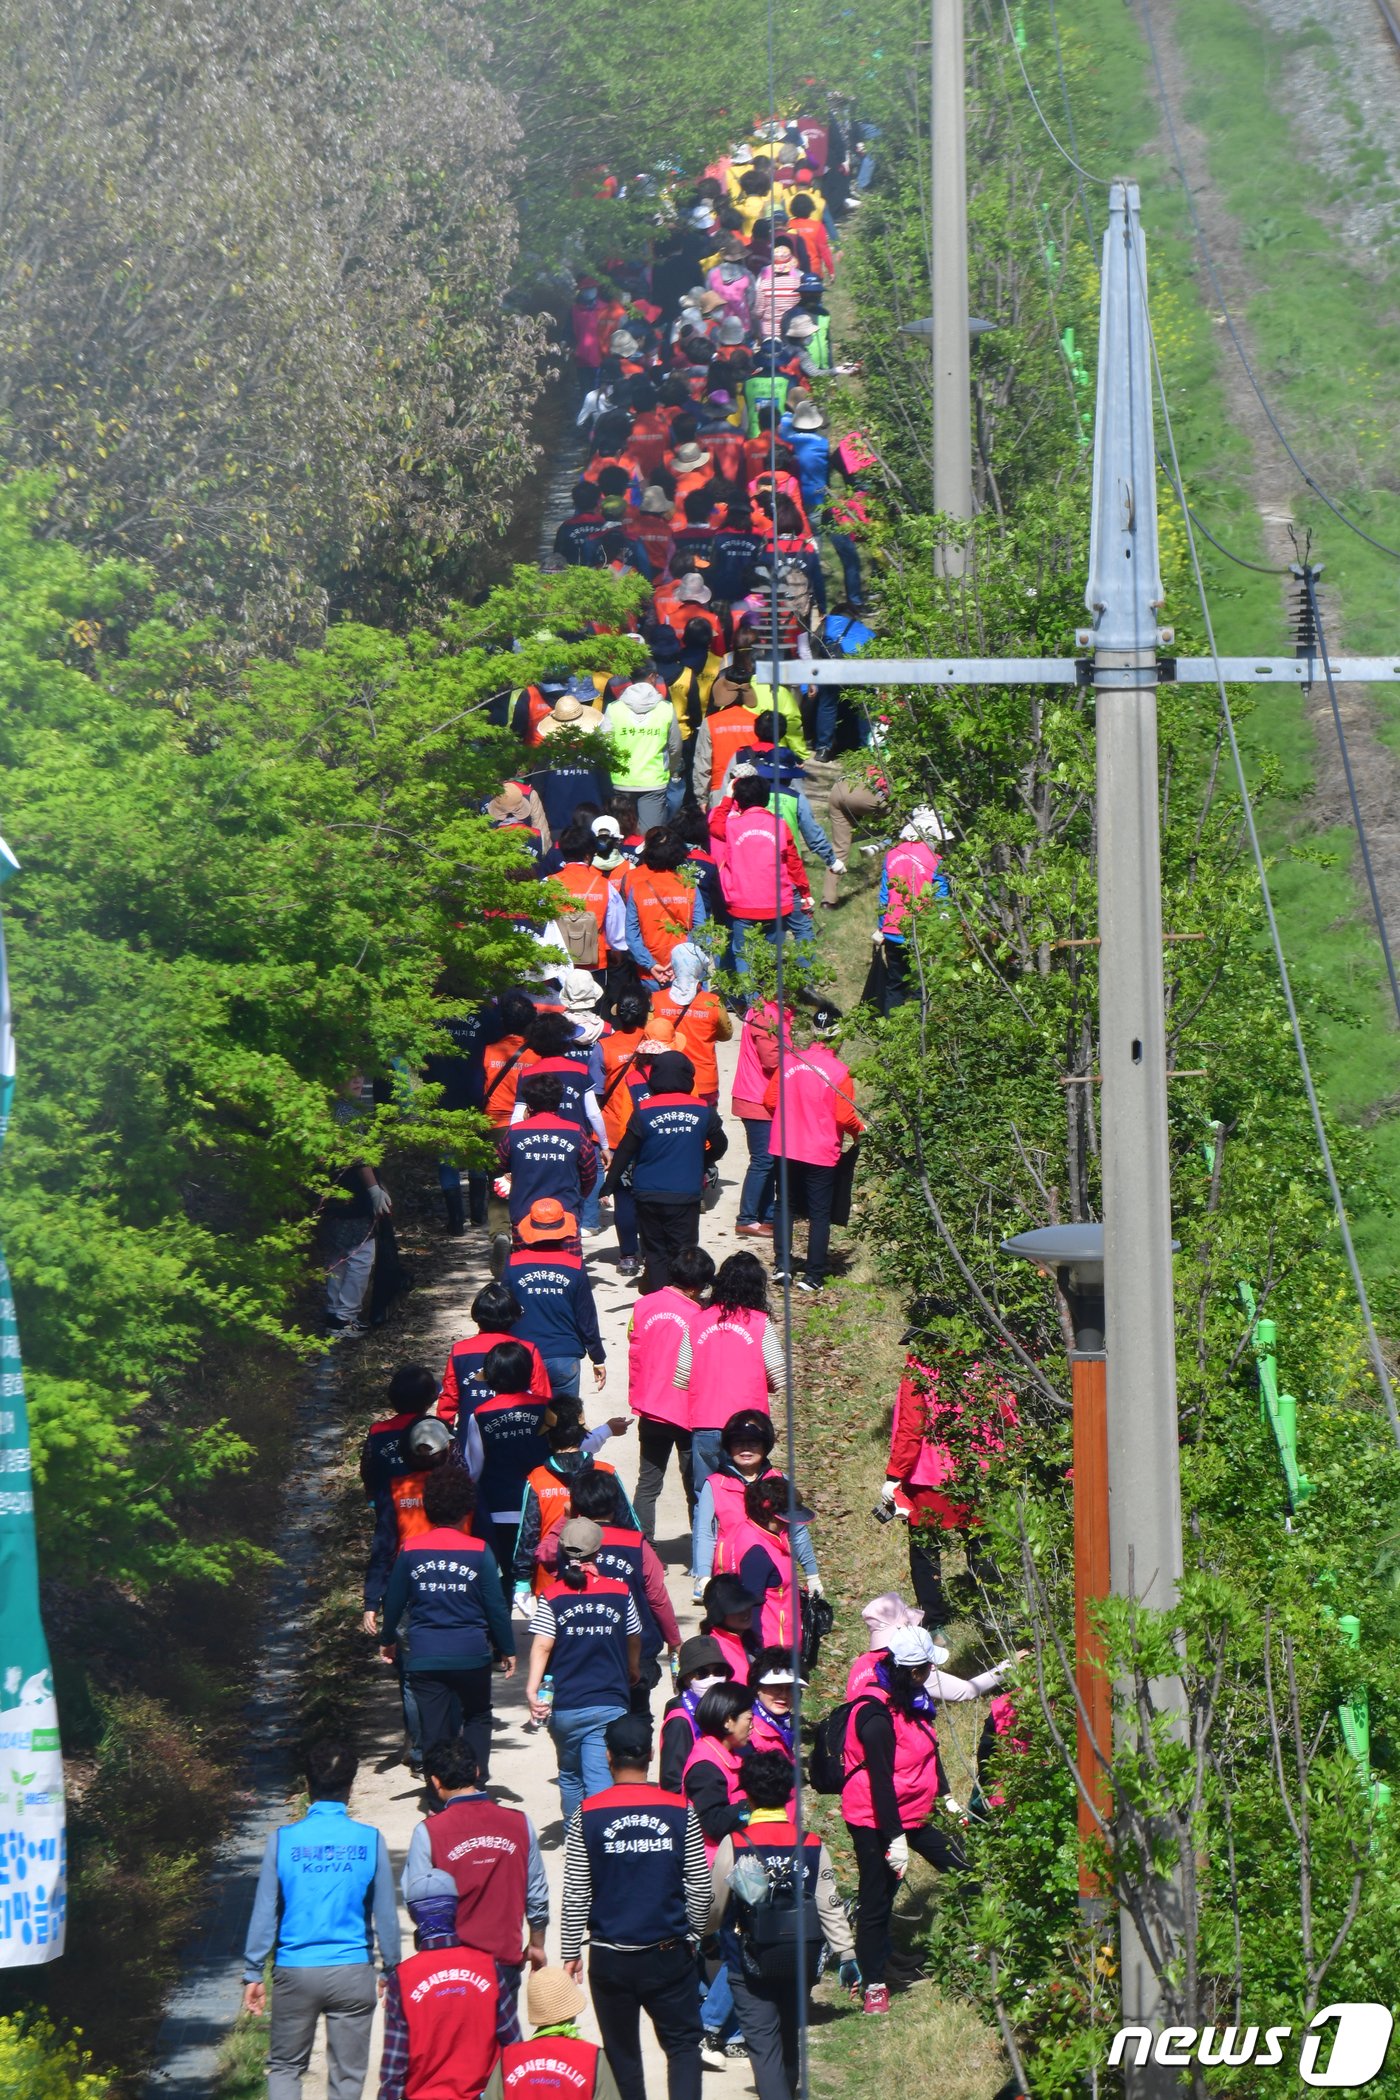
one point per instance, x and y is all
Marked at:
(1391, 19)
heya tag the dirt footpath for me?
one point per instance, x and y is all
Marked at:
(523, 1767)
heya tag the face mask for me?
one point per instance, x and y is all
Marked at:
(706, 1684)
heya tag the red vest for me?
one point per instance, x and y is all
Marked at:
(449, 2002)
(486, 1850)
(553, 2064)
(915, 1767)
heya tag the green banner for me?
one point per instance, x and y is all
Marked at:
(33, 1854)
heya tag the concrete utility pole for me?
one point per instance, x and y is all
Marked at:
(1130, 658)
(1124, 596)
(952, 392)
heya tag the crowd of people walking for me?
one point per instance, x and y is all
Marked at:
(663, 820)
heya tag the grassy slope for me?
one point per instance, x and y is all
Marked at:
(1335, 387)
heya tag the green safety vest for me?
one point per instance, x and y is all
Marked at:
(758, 390)
(787, 707)
(639, 744)
(819, 349)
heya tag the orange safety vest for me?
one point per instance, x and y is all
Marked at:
(730, 729)
(665, 908)
(407, 1494)
(499, 1100)
(617, 1106)
(553, 1494)
(695, 1032)
(590, 886)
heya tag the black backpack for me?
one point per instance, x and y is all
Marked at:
(826, 1762)
(769, 1928)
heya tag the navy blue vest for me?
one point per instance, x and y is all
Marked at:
(635, 1836)
(620, 1556)
(542, 1159)
(672, 1156)
(513, 1440)
(572, 1070)
(589, 1660)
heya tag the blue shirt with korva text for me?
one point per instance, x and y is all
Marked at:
(325, 1890)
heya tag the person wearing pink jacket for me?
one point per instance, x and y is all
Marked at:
(761, 870)
(758, 1061)
(661, 1323)
(811, 1098)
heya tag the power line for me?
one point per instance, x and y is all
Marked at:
(1103, 181)
(1310, 586)
(1260, 568)
(1069, 124)
(1209, 261)
(1378, 1362)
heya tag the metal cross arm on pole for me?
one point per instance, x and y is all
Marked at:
(1081, 670)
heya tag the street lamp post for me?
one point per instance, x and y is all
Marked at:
(1073, 1254)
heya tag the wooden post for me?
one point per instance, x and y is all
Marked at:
(1089, 1385)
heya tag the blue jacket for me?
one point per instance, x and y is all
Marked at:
(326, 1890)
(812, 451)
(668, 1144)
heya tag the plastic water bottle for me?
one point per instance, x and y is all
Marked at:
(546, 1698)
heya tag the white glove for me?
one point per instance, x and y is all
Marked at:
(523, 1599)
(837, 867)
(814, 1586)
(898, 1855)
(877, 936)
(952, 1807)
(889, 1491)
(379, 1200)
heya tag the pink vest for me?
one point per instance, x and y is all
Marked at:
(658, 1322)
(750, 1079)
(709, 1750)
(726, 1367)
(862, 1671)
(733, 290)
(778, 1621)
(727, 1494)
(754, 877)
(910, 867)
(915, 1769)
(804, 1125)
(732, 1648)
(778, 290)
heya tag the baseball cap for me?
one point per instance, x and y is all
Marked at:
(914, 1646)
(428, 1440)
(580, 1535)
(629, 1739)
